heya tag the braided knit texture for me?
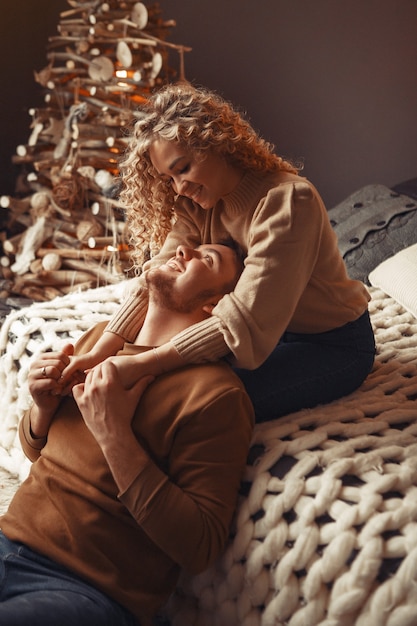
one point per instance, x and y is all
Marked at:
(325, 531)
(326, 527)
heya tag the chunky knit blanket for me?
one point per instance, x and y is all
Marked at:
(325, 531)
(25, 334)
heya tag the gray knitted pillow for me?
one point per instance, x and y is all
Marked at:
(373, 224)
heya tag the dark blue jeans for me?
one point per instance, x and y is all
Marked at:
(36, 591)
(306, 370)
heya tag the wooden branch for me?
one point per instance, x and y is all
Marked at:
(40, 294)
(11, 246)
(97, 130)
(100, 272)
(104, 202)
(14, 204)
(83, 254)
(54, 278)
(60, 240)
(161, 42)
(100, 241)
(51, 262)
(36, 266)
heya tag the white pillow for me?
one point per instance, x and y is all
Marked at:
(397, 277)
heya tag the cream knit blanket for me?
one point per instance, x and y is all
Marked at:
(25, 334)
(326, 527)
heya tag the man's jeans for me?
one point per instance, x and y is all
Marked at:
(306, 370)
(37, 592)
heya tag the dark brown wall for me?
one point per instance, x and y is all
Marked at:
(24, 28)
(333, 82)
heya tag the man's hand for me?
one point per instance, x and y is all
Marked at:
(106, 406)
(132, 368)
(44, 380)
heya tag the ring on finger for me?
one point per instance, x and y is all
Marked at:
(44, 371)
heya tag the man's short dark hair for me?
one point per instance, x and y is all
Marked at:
(231, 243)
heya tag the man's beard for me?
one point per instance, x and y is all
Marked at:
(162, 291)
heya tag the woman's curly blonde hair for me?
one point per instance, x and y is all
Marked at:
(201, 121)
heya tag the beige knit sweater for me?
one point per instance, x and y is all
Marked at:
(294, 277)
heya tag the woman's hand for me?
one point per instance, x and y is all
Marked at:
(74, 372)
(108, 344)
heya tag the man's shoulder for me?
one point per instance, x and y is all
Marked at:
(218, 373)
(206, 388)
(203, 383)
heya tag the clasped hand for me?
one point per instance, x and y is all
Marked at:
(106, 406)
(100, 392)
(45, 378)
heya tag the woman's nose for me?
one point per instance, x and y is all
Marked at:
(180, 185)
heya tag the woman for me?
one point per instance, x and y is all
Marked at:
(296, 328)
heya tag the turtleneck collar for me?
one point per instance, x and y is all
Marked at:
(251, 188)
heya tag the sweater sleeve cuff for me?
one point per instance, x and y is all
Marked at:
(31, 446)
(201, 342)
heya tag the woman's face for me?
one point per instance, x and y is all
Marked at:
(203, 181)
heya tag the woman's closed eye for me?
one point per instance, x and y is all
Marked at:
(184, 170)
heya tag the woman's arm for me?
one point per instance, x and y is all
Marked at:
(153, 362)
(294, 277)
(107, 345)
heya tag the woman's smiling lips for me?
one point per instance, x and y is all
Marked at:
(196, 194)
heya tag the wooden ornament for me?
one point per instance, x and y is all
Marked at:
(89, 228)
(51, 261)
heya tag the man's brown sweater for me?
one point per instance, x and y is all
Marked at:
(196, 424)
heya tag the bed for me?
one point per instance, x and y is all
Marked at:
(325, 531)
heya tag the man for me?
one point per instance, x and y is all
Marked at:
(122, 494)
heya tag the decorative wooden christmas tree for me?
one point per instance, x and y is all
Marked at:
(65, 229)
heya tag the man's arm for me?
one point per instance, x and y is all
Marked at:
(31, 445)
(187, 512)
(107, 409)
(45, 388)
